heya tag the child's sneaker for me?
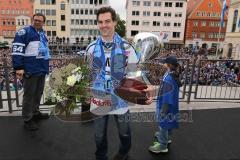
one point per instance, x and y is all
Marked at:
(156, 148)
(156, 134)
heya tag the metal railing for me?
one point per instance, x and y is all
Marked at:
(193, 87)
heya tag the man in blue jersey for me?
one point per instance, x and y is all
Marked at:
(30, 55)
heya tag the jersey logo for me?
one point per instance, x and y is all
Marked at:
(21, 32)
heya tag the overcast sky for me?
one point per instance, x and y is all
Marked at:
(119, 6)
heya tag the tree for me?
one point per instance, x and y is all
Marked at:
(121, 27)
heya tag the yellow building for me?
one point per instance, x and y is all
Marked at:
(57, 14)
(231, 46)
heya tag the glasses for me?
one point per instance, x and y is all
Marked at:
(36, 20)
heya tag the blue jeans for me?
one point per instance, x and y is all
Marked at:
(100, 126)
(164, 136)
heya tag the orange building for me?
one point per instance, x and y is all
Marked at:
(203, 22)
(14, 13)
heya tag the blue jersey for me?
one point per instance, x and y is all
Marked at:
(168, 95)
(30, 51)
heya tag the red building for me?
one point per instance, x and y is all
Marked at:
(203, 22)
(9, 11)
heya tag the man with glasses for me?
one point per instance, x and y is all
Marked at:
(30, 55)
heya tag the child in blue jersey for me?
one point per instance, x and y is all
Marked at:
(167, 109)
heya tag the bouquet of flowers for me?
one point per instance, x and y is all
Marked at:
(69, 85)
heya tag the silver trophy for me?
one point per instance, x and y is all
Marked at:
(148, 45)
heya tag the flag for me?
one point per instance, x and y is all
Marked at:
(224, 8)
(239, 23)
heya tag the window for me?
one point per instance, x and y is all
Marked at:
(53, 12)
(81, 11)
(72, 11)
(86, 22)
(77, 11)
(86, 11)
(179, 14)
(157, 4)
(63, 28)
(146, 13)
(210, 4)
(49, 33)
(194, 35)
(49, 22)
(176, 34)
(203, 23)
(72, 21)
(133, 33)
(48, 2)
(62, 6)
(156, 23)
(62, 17)
(156, 13)
(43, 11)
(167, 24)
(135, 13)
(202, 34)
(53, 1)
(81, 21)
(177, 24)
(167, 14)
(48, 12)
(90, 22)
(146, 3)
(54, 33)
(77, 21)
(179, 4)
(234, 24)
(91, 12)
(135, 23)
(145, 23)
(136, 3)
(195, 23)
(53, 22)
(42, 1)
(212, 24)
(168, 4)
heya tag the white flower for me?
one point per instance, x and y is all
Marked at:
(71, 80)
(78, 77)
(78, 69)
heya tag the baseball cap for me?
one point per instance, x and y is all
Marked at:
(171, 60)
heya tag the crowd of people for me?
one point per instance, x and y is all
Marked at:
(211, 72)
(5, 56)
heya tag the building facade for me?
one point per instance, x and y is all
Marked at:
(162, 17)
(203, 23)
(57, 14)
(231, 46)
(83, 19)
(14, 14)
